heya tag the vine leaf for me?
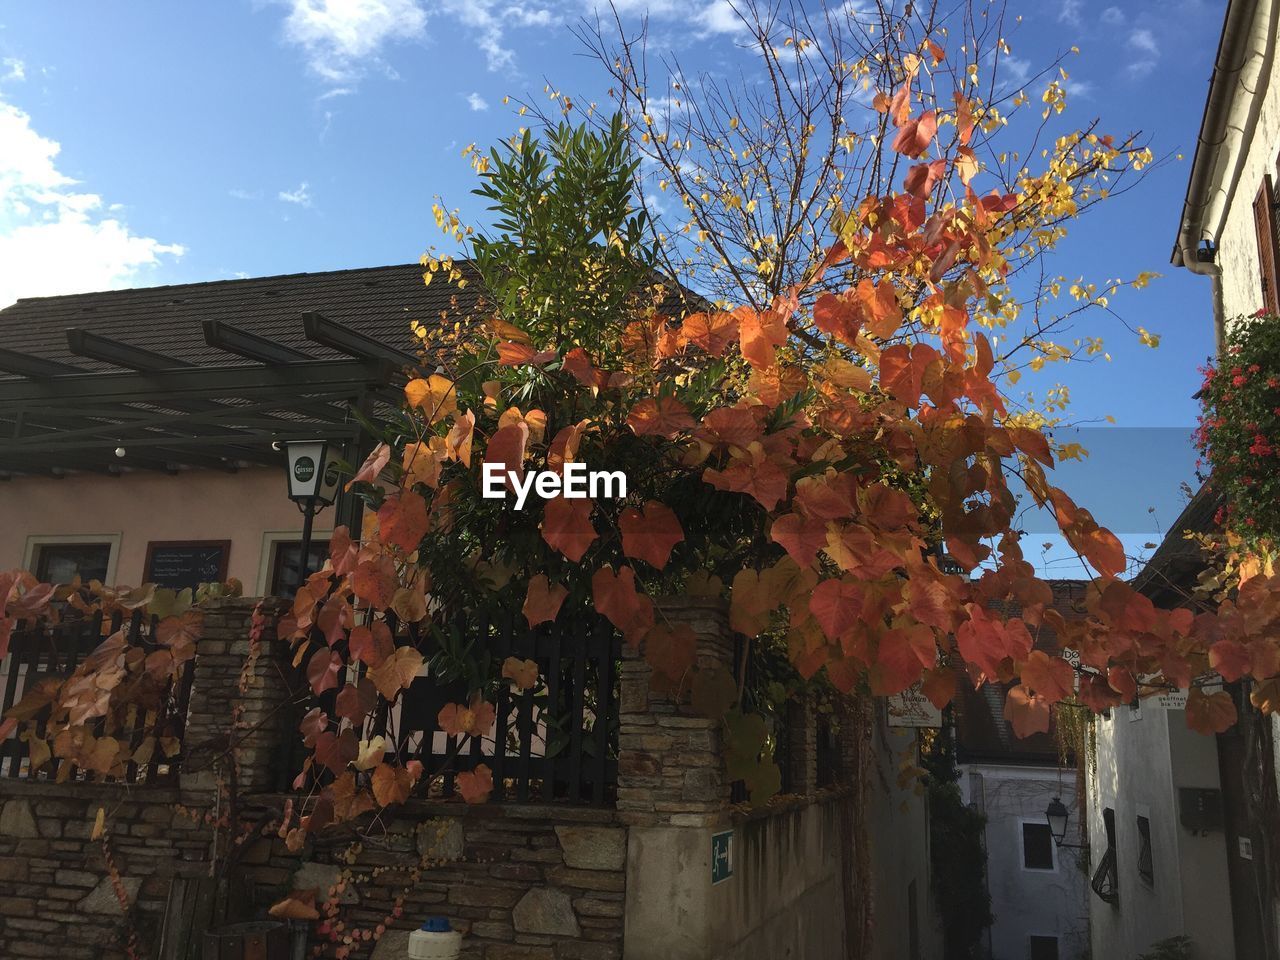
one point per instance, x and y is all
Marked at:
(650, 534)
(566, 526)
(543, 599)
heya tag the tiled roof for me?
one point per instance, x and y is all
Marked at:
(377, 301)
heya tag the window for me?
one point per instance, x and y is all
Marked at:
(284, 580)
(1044, 948)
(1105, 882)
(1265, 224)
(62, 562)
(1145, 869)
(1037, 846)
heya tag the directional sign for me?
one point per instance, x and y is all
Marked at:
(721, 856)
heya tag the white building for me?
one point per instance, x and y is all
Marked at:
(1038, 889)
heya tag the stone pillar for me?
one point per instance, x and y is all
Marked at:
(673, 793)
(221, 655)
(670, 759)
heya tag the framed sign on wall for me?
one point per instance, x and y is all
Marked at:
(178, 564)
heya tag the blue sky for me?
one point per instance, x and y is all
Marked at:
(148, 142)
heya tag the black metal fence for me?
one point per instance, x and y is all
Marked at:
(38, 650)
(555, 742)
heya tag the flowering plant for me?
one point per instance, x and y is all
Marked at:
(1239, 432)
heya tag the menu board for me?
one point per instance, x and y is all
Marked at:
(186, 563)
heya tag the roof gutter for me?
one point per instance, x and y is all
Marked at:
(1238, 46)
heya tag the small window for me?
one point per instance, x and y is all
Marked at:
(1044, 948)
(1037, 846)
(62, 562)
(284, 565)
(1145, 868)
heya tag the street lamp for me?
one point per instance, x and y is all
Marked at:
(1057, 814)
(313, 485)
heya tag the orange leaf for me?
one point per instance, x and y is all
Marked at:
(436, 396)
(299, 905)
(836, 605)
(507, 448)
(914, 136)
(323, 669)
(931, 602)
(671, 651)
(939, 685)
(475, 719)
(650, 534)
(663, 416)
(1210, 713)
(374, 582)
(372, 466)
(801, 537)
(356, 700)
(402, 521)
(391, 784)
(475, 786)
(458, 441)
(566, 526)
(713, 332)
(371, 644)
(761, 335)
(1050, 677)
(615, 597)
(396, 673)
(1026, 713)
(542, 600)
(523, 673)
(578, 365)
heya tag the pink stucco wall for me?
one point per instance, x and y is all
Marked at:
(249, 508)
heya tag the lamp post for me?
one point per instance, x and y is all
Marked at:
(313, 485)
(1057, 814)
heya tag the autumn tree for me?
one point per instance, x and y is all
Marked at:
(807, 440)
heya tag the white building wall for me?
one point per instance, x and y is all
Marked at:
(1142, 760)
(1237, 239)
(1029, 902)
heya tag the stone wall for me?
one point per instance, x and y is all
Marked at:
(524, 882)
(55, 897)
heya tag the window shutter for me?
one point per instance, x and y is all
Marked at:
(1264, 219)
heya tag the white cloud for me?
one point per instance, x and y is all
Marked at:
(301, 196)
(340, 36)
(1013, 71)
(1069, 12)
(238, 194)
(719, 16)
(1078, 88)
(1144, 41)
(487, 21)
(477, 102)
(14, 69)
(1113, 16)
(54, 239)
